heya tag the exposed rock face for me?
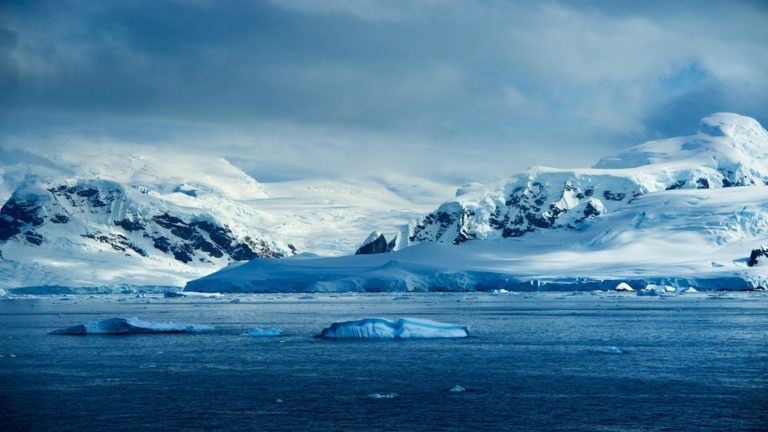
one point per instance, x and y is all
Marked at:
(546, 200)
(103, 212)
(377, 243)
(756, 256)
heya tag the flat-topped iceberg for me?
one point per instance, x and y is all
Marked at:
(131, 326)
(403, 328)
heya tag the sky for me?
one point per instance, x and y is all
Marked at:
(449, 90)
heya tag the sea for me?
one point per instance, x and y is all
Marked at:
(533, 362)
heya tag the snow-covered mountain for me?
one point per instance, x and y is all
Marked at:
(102, 233)
(107, 220)
(686, 212)
(729, 150)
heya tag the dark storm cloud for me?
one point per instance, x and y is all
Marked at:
(489, 87)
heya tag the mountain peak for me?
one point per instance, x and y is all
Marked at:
(730, 125)
(723, 139)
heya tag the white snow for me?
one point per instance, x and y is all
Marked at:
(623, 287)
(132, 325)
(403, 328)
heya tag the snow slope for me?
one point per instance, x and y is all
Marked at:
(684, 212)
(330, 217)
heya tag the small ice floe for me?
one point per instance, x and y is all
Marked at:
(235, 300)
(613, 350)
(457, 389)
(624, 287)
(131, 326)
(258, 332)
(382, 396)
(648, 292)
(403, 328)
(278, 401)
(176, 294)
(690, 290)
(306, 297)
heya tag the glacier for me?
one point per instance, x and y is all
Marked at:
(403, 328)
(131, 326)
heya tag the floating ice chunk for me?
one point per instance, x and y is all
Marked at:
(174, 294)
(131, 325)
(258, 332)
(624, 287)
(457, 389)
(613, 350)
(403, 328)
(648, 291)
(382, 396)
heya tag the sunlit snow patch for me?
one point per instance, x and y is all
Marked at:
(403, 328)
(130, 326)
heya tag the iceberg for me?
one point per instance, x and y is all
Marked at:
(382, 396)
(131, 326)
(259, 332)
(403, 328)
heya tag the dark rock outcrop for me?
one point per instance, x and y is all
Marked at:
(756, 256)
(377, 246)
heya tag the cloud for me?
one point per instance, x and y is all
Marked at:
(471, 89)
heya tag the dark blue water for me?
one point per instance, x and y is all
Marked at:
(535, 362)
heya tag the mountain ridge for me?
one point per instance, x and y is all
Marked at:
(690, 212)
(728, 151)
